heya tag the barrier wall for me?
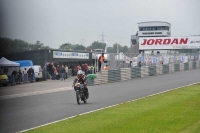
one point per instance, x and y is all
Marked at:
(123, 74)
(171, 68)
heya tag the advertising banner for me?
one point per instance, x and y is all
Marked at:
(134, 61)
(166, 60)
(153, 60)
(184, 59)
(72, 55)
(128, 59)
(192, 42)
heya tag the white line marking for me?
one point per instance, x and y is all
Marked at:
(34, 93)
(105, 108)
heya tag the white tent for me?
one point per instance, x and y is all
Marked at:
(6, 62)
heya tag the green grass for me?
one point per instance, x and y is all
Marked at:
(171, 112)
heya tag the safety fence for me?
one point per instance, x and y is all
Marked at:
(128, 60)
(123, 74)
(21, 79)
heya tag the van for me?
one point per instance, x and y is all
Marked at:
(38, 72)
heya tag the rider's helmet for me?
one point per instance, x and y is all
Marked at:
(79, 74)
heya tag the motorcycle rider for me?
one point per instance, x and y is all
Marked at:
(81, 78)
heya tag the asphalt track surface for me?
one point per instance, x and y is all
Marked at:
(26, 112)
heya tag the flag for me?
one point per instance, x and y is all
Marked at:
(84, 48)
(91, 49)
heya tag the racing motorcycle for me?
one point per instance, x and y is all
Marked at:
(80, 93)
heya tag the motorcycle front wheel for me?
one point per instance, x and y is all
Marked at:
(78, 97)
(85, 99)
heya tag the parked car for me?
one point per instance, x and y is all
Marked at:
(4, 79)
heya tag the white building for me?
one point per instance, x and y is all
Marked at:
(154, 29)
(150, 29)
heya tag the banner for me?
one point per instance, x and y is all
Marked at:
(166, 60)
(72, 55)
(192, 42)
(153, 60)
(128, 59)
(184, 59)
(134, 61)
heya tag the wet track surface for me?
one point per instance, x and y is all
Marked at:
(27, 111)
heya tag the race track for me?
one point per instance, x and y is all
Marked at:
(25, 112)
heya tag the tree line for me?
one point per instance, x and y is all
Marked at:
(16, 45)
(94, 45)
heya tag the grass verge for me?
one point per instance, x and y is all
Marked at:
(170, 112)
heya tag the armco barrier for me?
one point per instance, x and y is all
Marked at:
(123, 74)
(176, 67)
(198, 62)
(144, 71)
(104, 77)
(90, 82)
(181, 66)
(194, 65)
(165, 69)
(159, 69)
(171, 68)
(152, 70)
(190, 65)
(135, 72)
(186, 66)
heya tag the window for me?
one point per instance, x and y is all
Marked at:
(159, 28)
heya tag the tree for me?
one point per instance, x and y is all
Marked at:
(69, 46)
(9, 46)
(66, 46)
(79, 47)
(96, 45)
(110, 50)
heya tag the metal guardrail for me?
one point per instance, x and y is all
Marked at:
(128, 60)
(21, 79)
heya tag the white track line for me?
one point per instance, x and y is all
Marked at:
(104, 108)
(34, 93)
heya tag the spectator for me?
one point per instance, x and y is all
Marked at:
(51, 70)
(25, 71)
(66, 71)
(130, 64)
(63, 73)
(86, 68)
(73, 71)
(106, 68)
(100, 60)
(23, 76)
(55, 71)
(14, 75)
(1, 70)
(83, 68)
(140, 64)
(30, 74)
(58, 75)
(78, 68)
(19, 75)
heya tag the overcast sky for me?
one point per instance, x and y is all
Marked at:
(54, 22)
